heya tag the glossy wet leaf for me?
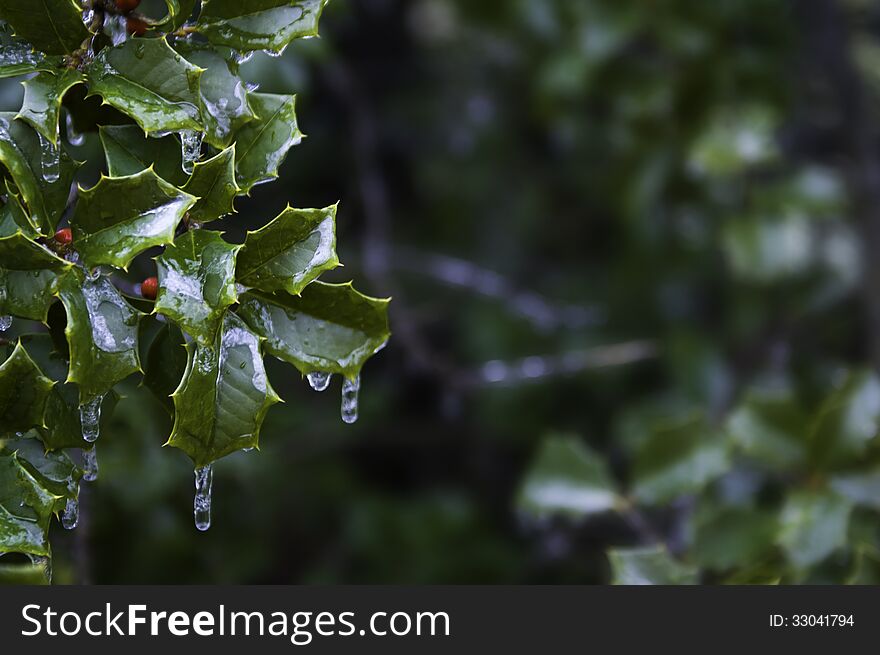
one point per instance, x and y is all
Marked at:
(678, 459)
(813, 525)
(213, 183)
(23, 574)
(650, 565)
(263, 143)
(121, 217)
(567, 478)
(224, 396)
(128, 151)
(27, 277)
(146, 80)
(42, 173)
(24, 391)
(55, 471)
(26, 508)
(165, 364)
(259, 24)
(52, 26)
(14, 219)
(43, 96)
(101, 333)
(329, 328)
(289, 252)
(224, 96)
(197, 283)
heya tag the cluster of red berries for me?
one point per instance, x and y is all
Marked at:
(149, 287)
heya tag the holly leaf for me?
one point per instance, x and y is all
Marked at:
(259, 24)
(329, 328)
(213, 183)
(128, 151)
(121, 217)
(813, 525)
(43, 96)
(101, 333)
(223, 397)
(42, 172)
(223, 94)
(148, 81)
(26, 508)
(651, 565)
(53, 26)
(55, 471)
(18, 57)
(263, 143)
(678, 459)
(290, 251)
(567, 478)
(27, 275)
(24, 391)
(197, 283)
(14, 219)
(166, 364)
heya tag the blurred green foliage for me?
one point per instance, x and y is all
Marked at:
(537, 184)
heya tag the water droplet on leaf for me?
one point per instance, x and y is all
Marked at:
(319, 380)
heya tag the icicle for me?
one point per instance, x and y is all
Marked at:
(70, 517)
(350, 391)
(74, 138)
(116, 27)
(50, 158)
(90, 419)
(5, 323)
(272, 53)
(202, 502)
(191, 149)
(90, 464)
(319, 380)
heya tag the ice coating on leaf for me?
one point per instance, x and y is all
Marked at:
(70, 517)
(190, 149)
(263, 143)
(202, 502)
(5, 323)
(107, 311)
(350, 391)
(90, 419)
(51, 26)
(90, 464)
(268, 25)
(319, 380)
(116, 27)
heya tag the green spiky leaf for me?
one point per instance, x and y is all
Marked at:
(224, 396)
(197, 283)
(148, 81)
(27, 277)
(263, 143)
(121, 217)
(52, 26)
(43, 96)
(24, 391)
(128, 151)
(213, 182)
(259, 24)
(101, 333)
(289, 252)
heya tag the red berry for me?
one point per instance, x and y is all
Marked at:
(150, 288)
(126, 6)
(136, 26)
(64, 236)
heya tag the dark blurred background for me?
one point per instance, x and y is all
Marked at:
(591, 214)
